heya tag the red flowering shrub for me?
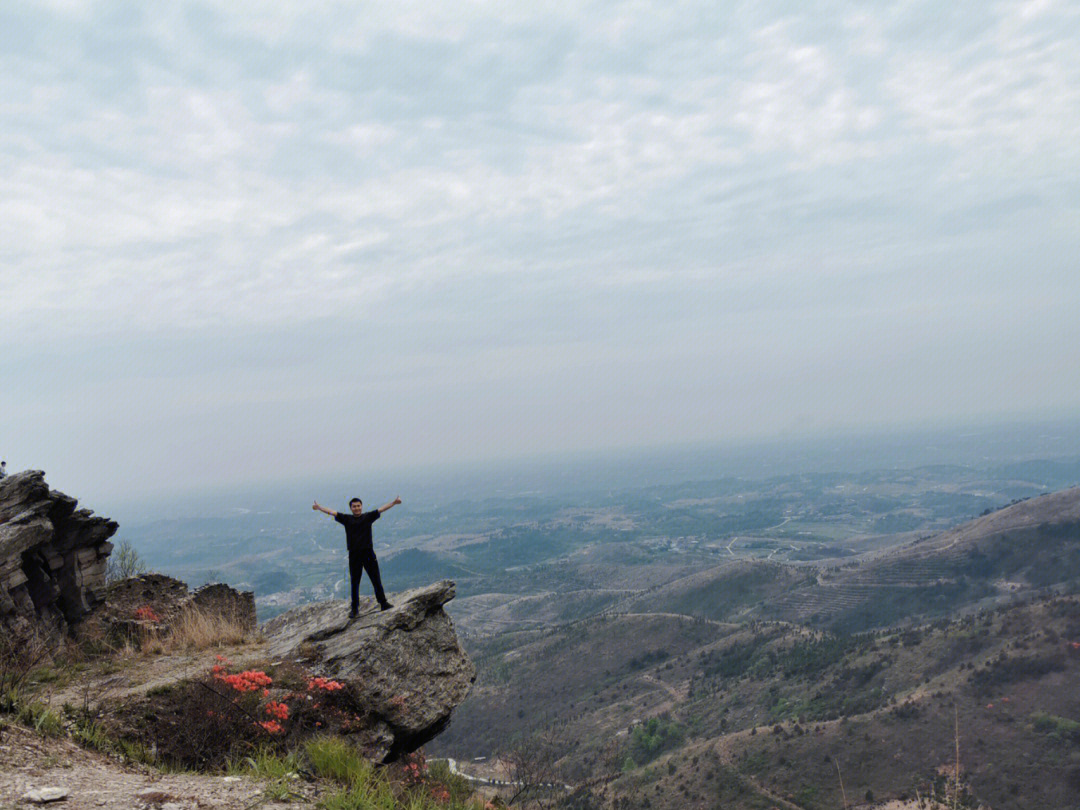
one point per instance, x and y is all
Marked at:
(247, 681)
(414, 768)
(440, 794)
(434, 782)
(278, 710)
(146, 614)
(324, 684)
(204, 722)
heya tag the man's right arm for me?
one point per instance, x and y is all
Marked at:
(324, 510)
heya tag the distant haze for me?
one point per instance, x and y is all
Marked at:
(1052, 448)
(245, 242)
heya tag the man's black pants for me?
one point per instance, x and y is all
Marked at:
(361, 560)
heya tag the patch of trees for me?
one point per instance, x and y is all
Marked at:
(803, 659)
(892, 605)
(648, 659)
(520, 545)
(1005, 671)
(1060, 728)
(650, 739)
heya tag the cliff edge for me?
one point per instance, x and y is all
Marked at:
(406, 662)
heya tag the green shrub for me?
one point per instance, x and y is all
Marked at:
(137, 752)
(1003, 672)
(91, 735)
(43, 719)
(333, 758)
(266, 763)
(1060, 728)
(655, 736)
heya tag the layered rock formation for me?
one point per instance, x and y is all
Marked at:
(406, 662)
(52, 557)
(164, 600)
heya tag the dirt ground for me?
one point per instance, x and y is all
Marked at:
(134, 675)
(29, 761)
(93, 780)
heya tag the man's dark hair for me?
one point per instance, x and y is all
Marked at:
(356, 500)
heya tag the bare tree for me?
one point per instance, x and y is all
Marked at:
(530, 764)
(124, 562)
(20, 654)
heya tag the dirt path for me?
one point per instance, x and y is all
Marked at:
(96, 781)
(677, 696)
(138, 674)
(724, 752)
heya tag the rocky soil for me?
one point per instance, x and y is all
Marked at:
(93, 780)
(414, 674)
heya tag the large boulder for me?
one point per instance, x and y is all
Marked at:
(53, 557)
(406, 663)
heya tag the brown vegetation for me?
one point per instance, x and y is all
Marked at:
(196, 629)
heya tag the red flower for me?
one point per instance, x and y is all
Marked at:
(272, 726)
(146, 614)
(278, 710)
(247, 681)
(325, 684)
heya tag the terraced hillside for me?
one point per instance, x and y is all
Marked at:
(573, 675)
(723, 592)
(888, 712)
(1030, 546)
(668, 711)
(745, 683)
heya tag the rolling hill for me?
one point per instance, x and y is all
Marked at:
(756, 684)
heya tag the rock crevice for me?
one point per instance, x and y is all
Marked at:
(53, 557)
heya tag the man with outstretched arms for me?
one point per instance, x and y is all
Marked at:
(361, 551)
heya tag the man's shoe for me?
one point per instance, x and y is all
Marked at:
(386, 606)
(354, 613)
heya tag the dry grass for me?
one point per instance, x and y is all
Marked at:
(195, 629)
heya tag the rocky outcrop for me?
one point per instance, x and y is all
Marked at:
(154, 602)
(406, 662)
(52, 557)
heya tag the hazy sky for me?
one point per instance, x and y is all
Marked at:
(244, 240)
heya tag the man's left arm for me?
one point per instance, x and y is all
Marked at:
(394, 502)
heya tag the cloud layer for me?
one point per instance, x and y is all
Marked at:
(556, 224)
